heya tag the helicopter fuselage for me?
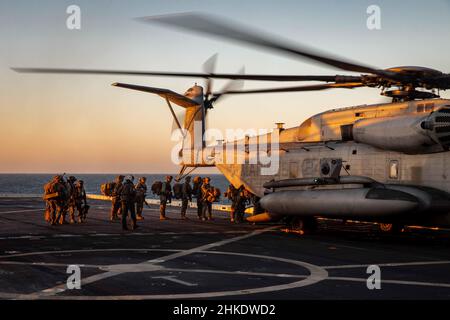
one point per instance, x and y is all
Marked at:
(409, 154)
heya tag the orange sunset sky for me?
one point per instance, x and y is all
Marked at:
(80, 123)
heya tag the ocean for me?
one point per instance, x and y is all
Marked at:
(31, 185)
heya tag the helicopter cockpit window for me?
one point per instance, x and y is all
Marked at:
(393, 169)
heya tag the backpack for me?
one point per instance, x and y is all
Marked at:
(231, 192)
(107, 188)
(217, 194)
(178, 190)
(49, 188)
(196, 189)
(156, 187)
(49, 191)
(213, 195)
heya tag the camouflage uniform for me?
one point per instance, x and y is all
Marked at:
(231, 194)
(186, 196)
(257, 209)
(50, 208)
(115, 199)
(164, 197)
(141, 192)
(206, 202)
(127, 198)
(80, 201)
(71, 202)
(241, 201)
(65, 198)
(197, 192)
(60, 203)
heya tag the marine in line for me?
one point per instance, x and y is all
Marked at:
(64, 196)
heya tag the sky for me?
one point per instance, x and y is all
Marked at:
(80, 123)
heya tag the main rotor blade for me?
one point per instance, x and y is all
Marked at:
(219, 27)
(209, 67)
(162, 92)
(301, 88)
(232, 85)
(442, 82)
(232, 76)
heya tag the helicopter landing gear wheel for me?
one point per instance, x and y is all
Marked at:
(392, 228)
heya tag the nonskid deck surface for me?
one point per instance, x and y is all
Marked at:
(214, 259)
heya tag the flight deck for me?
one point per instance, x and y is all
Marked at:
(192, 259)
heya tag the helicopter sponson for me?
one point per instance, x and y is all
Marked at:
(371, 201)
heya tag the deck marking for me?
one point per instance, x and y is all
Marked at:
(403, 282)
(316, 273)
(211, 245)
(110, 274)
(51, 292)
(20, 211)
(241, 273)
(131, 268)
(48, 264)
(136, 234)
(174, 279)
(391, 264)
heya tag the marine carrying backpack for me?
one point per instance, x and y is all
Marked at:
(217, 194)
(50, 191)
(156, 187)
(107, 188)
(178, 190)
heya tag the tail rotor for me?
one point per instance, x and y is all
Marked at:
(209, 67)
(210, 98)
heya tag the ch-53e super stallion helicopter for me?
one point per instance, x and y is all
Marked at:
(386, 163)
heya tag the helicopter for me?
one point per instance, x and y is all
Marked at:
(383, 163)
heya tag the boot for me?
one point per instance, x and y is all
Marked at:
(140, 217)
(162, 213)
(47, 216)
